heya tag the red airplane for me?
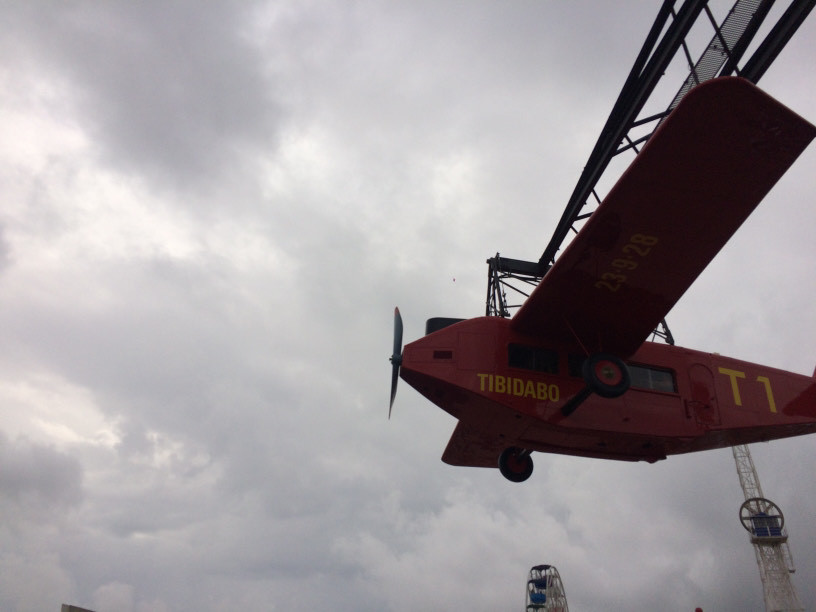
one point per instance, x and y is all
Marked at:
(573, 372)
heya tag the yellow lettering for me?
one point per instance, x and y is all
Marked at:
(519, 387)
(765, 381)
(482, 381)
(529, 389)
(734, 375)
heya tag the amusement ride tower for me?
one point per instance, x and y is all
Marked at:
(765, 523)
(545, 591)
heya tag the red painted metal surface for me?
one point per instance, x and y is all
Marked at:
(717, 401)
(698, 178)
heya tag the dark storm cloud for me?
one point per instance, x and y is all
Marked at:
(36, 478)
(210, 212)
(170, 90)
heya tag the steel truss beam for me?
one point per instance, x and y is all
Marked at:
(666, 38)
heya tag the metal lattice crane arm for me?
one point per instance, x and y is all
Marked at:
(720, 58)
(765, 523)
(626, 129)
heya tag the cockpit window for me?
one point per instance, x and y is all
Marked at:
(653, 379)
(532, 358)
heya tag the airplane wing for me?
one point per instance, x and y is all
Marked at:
(700, 175)
(471, 447)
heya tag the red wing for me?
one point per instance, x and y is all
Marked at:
(698, 178)
(472, 448)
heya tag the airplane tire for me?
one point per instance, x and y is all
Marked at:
(515, 465)
(606, 375)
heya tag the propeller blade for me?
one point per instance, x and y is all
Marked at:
(396, 357)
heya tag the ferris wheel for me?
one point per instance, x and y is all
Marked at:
(545, 591)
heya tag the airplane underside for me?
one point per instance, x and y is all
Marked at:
(491, 433)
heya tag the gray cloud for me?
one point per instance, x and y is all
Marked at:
(209, 215)
(167, 90)
(38, 478)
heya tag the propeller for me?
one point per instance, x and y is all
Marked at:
(396, 357)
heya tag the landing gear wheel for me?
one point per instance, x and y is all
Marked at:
(515, 464)
(606, 375)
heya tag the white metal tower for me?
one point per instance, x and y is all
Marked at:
(765, 523)
(544, 590)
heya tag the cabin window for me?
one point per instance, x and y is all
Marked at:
(652, 378)
(575, 363)
(532, 358)
(642, 377)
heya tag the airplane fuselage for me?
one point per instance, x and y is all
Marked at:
(501, 382)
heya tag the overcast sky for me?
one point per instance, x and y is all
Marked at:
(209, 212)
